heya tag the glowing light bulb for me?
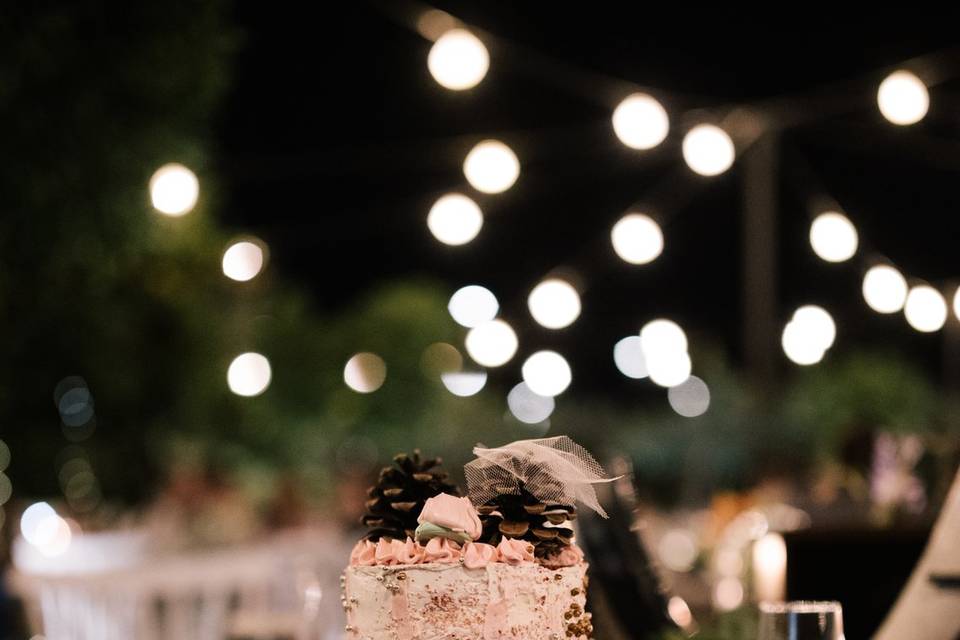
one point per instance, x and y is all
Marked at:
(708, 150)
(554, 303)
(242, 261)
(491, 167)
(249, 374)
(800, 345)
(691, 398)
(884, 289)
(365, 372)
(464, 383)
(637, 238)
(662, 336)
(903, 98)
(833, 237)
(669, 369)
(458, 60)
(174, 190)
(629, 358)
(817, 323)
(547, 373)
(529, 407)
(492, 343)
(640, 121)
(455, 219)
(473, 305)
(925, 309)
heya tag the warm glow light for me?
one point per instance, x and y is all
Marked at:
(691, 398)
(473, 305)
(242, 261)
(458, 60)
(678, 550)
(662, 336)
(455, 219)
(365, 372)
(817, 323)
(679, 612)
(464, 383)
(903, 98)
(249, 374)
(708, 150)
(640, 121)
(492, 343)
(884, 289)
(728, 594)
(800, 345)
(54, 536)
(833, 237)
(925, 309)
(956, 312)
(669, 369)
(174, 190)
(637, 238)
(554, 303)
(547, 373)
(770, 568)
(491, 167)
(529, 407)
(629, 358)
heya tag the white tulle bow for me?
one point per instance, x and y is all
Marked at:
(555, 470)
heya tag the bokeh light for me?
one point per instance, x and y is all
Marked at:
(174, 190)
(491, 167)
(458, 60)
(662, 336)
(956, 312)
(455, 219)
(691, 398)
(903, 98)
(800, 345)
(242, 261)
(925, 309)
(669, 369)
(833, 237)
(678, 550)
(640, 121)
(365, 372)
(769, 562)
(473, 305)
(53, 536)
(629, 359)
(6, 488)
(554, 303)
(529, 407)
(547, 373)
(464, 383)
(492, 343)
(708, 150)
(637, 238)
(728, 594)
(30, 521)
(884, 289)
(440, 358)
(433, 23)
(679, 612)
(4, 456)
(818, 323)
(249, 374)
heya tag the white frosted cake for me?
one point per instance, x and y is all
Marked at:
(439, 567)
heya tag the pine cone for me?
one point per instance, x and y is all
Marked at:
(525, 517)
(397, 499)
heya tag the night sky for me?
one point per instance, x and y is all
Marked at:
(335, 141)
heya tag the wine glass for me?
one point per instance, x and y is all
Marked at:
(802, 620)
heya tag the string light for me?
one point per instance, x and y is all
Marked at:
(708, 150)
(554, 303)
(925, 309)
(662, 336)
(690, 398)
(365, 372)
(458, 60)
(249, 374)
(903, 98)
(473, 305)
(808, 335)
(547, 373)
(455, 219)
(629, 359)
(833, 237)
(464, 383)
(492, 343)
(884, 289)
(242, 261)
(670, 369)
(491, 167)
(174, 190)
(817, 323)
(637, 238)
(640, 121)
(529, 407)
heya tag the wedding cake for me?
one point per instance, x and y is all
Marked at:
(500, 562)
